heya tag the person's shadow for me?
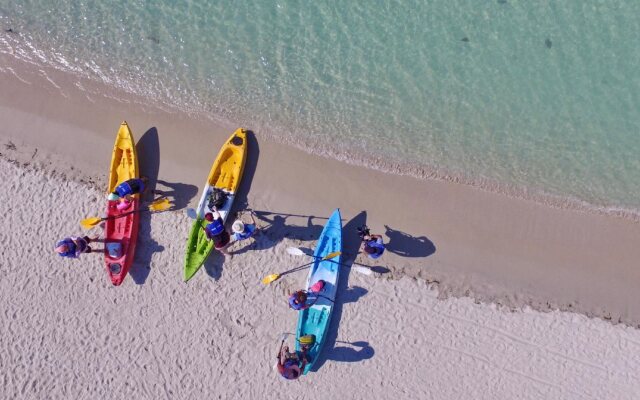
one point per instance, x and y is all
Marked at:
(406, 245)
(273, 228)
(350, 246)
(213, 264)
(353, 352)
(148, 149)
(180, 194)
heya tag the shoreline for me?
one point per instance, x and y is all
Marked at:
(420, 171)
(470, 242)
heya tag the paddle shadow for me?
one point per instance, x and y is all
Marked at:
(406, 245)
(350, 245)
(277, 229)
(356, 351)
(148, 149)
(213, 264)
(180, 194)
(241, 202)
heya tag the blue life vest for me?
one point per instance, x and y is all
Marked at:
(379, 247)
(248, 232)
(300, 305)
(132, 186)
(71, 248)
(215, 228)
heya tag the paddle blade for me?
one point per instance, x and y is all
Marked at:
(363, 270)
(332, 255)
(191, 213)
(294, 251)
(89, 223)
(270, 278)
(160, 205)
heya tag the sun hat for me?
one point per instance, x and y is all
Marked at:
(237, 227)
(113, 196)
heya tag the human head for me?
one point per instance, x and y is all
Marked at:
(208, 217)
(300, 297)
(238, 226)
(291, 372)
(63, 248)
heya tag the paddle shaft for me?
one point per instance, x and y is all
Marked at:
(125, 214)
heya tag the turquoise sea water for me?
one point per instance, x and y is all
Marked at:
(527, 97)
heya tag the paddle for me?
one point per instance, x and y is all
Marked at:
(158, 205)
(272, 277)
(294, 251)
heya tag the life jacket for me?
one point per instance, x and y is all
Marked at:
(290, 369)
(132, 186)
(215, 228)
(379, 248)
(296, 302)
(71, 248)
(248, 232)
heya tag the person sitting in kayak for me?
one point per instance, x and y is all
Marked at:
(73, 246)
(373, 245)
(242, 231)
(126, 189)
(290, 365)
(215, 231)
(301, 300)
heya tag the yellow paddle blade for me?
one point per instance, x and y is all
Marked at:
(160, 205)
(332, 255)
(270, 278)
(89, 223)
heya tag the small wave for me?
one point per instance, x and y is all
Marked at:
(160, 95)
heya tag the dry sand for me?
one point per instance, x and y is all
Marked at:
(66, 333)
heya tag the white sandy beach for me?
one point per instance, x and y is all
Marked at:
(460, 315)
(67, 333)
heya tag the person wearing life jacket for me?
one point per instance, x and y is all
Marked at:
(215, 231)
(290, 365)
(373, 245)
(126, 189)
(242, 231)
(72, 247)
(301, 300)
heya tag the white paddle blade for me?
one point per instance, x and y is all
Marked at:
(363, 270)
(191, 213)
(294, 251)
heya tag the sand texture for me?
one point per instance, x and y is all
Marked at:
(66, 332)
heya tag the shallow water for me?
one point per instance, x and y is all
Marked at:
(522, 97)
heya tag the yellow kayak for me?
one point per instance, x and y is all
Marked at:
(225, 176)
(121, 228)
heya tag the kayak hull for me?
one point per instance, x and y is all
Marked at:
(225, 174)
(121, 227)
(316, 319)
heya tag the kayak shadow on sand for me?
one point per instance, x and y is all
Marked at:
(241, 202)
(148, 149)
(406, 245)
(344, 295)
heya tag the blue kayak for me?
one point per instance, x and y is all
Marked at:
(316, 319)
